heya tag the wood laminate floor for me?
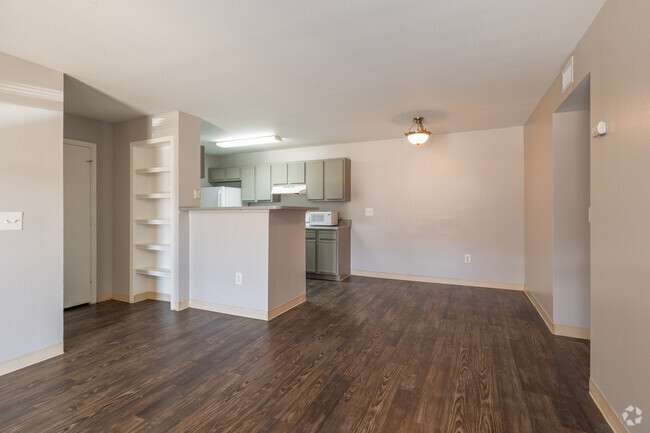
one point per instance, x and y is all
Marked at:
(365, 355)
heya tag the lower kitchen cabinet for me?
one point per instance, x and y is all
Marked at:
(311, 250)
(328, 252)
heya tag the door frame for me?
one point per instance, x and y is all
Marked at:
(93, 213)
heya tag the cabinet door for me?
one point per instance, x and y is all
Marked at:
(279, 174)
(217, 175)
(326, 260)
(263, 182)
(296, 172)
(233, 173)
(248, 183)
(314, 180)
(334, 179)
(311, 255)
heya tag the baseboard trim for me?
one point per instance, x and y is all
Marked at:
(247, 312)
(120, 297)
(287, 306)
(540, 310)
(605, 408)
(151, 295)
(104, 297)
(440, 280)
(561, 330)
(229, 309)
(183, 305)
(572, 331)
(30, 358)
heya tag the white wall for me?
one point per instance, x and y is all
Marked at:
(31, 181)
(571, 218)
(100, 133)
(458, 193)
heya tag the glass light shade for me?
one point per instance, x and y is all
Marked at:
(418, 137)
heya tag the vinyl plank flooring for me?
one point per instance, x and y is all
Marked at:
(363, 355)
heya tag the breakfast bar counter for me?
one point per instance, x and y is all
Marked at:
(246, 261)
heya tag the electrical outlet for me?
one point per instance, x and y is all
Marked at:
(468, 258)
(238, 278)
(197, 194)
(370, 211)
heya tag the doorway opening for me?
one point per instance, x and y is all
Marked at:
(79, 223)
(571, 212)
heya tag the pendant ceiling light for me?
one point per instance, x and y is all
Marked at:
(418, 136)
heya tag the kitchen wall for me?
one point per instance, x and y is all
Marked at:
(458, 193)
(31, 181)
(611, 53)
(100, 133)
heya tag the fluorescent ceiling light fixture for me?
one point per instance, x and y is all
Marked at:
(250, 141)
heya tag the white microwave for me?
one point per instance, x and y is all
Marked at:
(329, 218)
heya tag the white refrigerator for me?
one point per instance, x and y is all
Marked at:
(220, 196)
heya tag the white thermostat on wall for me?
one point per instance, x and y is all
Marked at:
(600, 129)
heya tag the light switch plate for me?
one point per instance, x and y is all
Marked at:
(11, 220)
(370, 211)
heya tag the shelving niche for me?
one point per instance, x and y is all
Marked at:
(153, 219)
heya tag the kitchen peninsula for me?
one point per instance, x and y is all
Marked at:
(245, 261)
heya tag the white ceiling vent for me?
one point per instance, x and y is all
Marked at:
(567, 75)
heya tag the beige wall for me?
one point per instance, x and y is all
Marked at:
(613, 52)
(189, 160)
(100, 133)
(31, 181)
(459, 193)
(571, 218)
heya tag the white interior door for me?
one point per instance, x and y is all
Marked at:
(77, 273)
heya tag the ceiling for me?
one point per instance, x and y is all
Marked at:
(312, 72)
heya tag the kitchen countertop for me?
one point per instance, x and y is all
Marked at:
(343, 224)
(247, 208)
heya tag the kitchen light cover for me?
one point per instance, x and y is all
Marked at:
(420, 135)
(250, 141)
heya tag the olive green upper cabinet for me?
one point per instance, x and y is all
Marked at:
(248, 183)
(279, 173)
(216, 175)
(329, 180)
(224, 174)
(296, 173)
(263, 182)
(233, 173)
(314, 180)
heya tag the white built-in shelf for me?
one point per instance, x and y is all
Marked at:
(154, 210)
(152, 222)
(153, 195)
(153, 271)
(154, 247)
(153, 170)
